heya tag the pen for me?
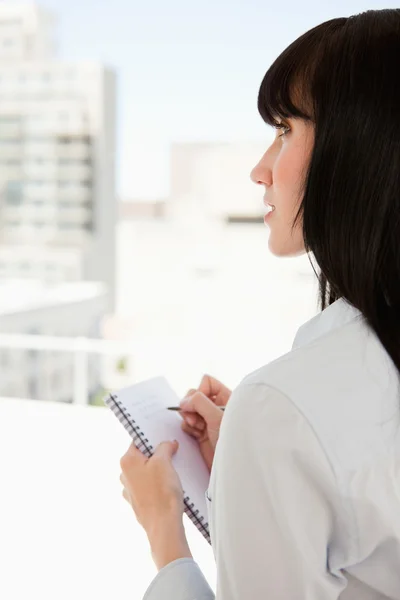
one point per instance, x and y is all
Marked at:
(179, 408)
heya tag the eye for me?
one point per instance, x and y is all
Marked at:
(284, 128)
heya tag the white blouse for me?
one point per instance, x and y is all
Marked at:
(305, 486)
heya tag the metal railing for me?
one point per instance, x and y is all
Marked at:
(80, 347)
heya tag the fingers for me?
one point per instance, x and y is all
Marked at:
(190, 419)
(132, 456)
(209, 386)
(166, 449)
(193, 420)
(125, 492)
(133, 459)
(195, 433)
(203, 406)
(214, 389)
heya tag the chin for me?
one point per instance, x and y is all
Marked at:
(286, 250)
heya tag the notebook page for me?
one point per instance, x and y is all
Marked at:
(147, 403)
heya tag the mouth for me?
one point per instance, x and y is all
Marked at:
(270, 207)
(270, 210)
(268, 204)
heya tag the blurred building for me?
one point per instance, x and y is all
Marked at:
(66, 310)
(26, 32)
(57, 157)
(46, 264)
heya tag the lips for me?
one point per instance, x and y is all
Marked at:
(268, 204)
(270, 207)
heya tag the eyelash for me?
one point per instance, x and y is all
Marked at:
(281, 126)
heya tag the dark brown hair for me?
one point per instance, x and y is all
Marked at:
(343, 77)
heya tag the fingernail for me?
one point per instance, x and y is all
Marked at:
(191, 420)
(184, 402)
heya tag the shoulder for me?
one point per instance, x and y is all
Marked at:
(264, 420)
(342, 385)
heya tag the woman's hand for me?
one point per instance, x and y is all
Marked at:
(153, 489)
(202, 417)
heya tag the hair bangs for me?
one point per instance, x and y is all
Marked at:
(286, 90)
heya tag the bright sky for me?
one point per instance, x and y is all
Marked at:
(187, 70)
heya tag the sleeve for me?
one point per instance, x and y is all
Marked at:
(274, 502)
(182, 579)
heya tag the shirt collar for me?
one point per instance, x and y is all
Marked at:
(336, 315)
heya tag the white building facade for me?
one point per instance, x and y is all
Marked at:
(57, 156)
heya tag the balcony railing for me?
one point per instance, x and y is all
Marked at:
(80, 347)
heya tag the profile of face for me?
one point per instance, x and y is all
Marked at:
(281, 171)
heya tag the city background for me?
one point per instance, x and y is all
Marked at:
(132, 245)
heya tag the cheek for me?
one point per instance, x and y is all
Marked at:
(287, 170)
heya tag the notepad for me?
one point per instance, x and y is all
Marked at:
(142, 410)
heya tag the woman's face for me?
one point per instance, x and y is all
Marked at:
(281, 170)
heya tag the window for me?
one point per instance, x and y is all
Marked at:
(39, 138)
(13, 193)
(56, 380)
(10, 119)
(11, 141)
(33, 387)
(34, 117)
(67, 225)
(4, 358)
(11, 162)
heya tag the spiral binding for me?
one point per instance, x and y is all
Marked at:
(142, 444)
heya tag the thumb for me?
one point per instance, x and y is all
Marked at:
(166, 449)
(203, 406)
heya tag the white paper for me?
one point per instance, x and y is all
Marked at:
(147, 403)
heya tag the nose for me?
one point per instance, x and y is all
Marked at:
(261, 174)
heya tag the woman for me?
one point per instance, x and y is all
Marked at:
(304, 496)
